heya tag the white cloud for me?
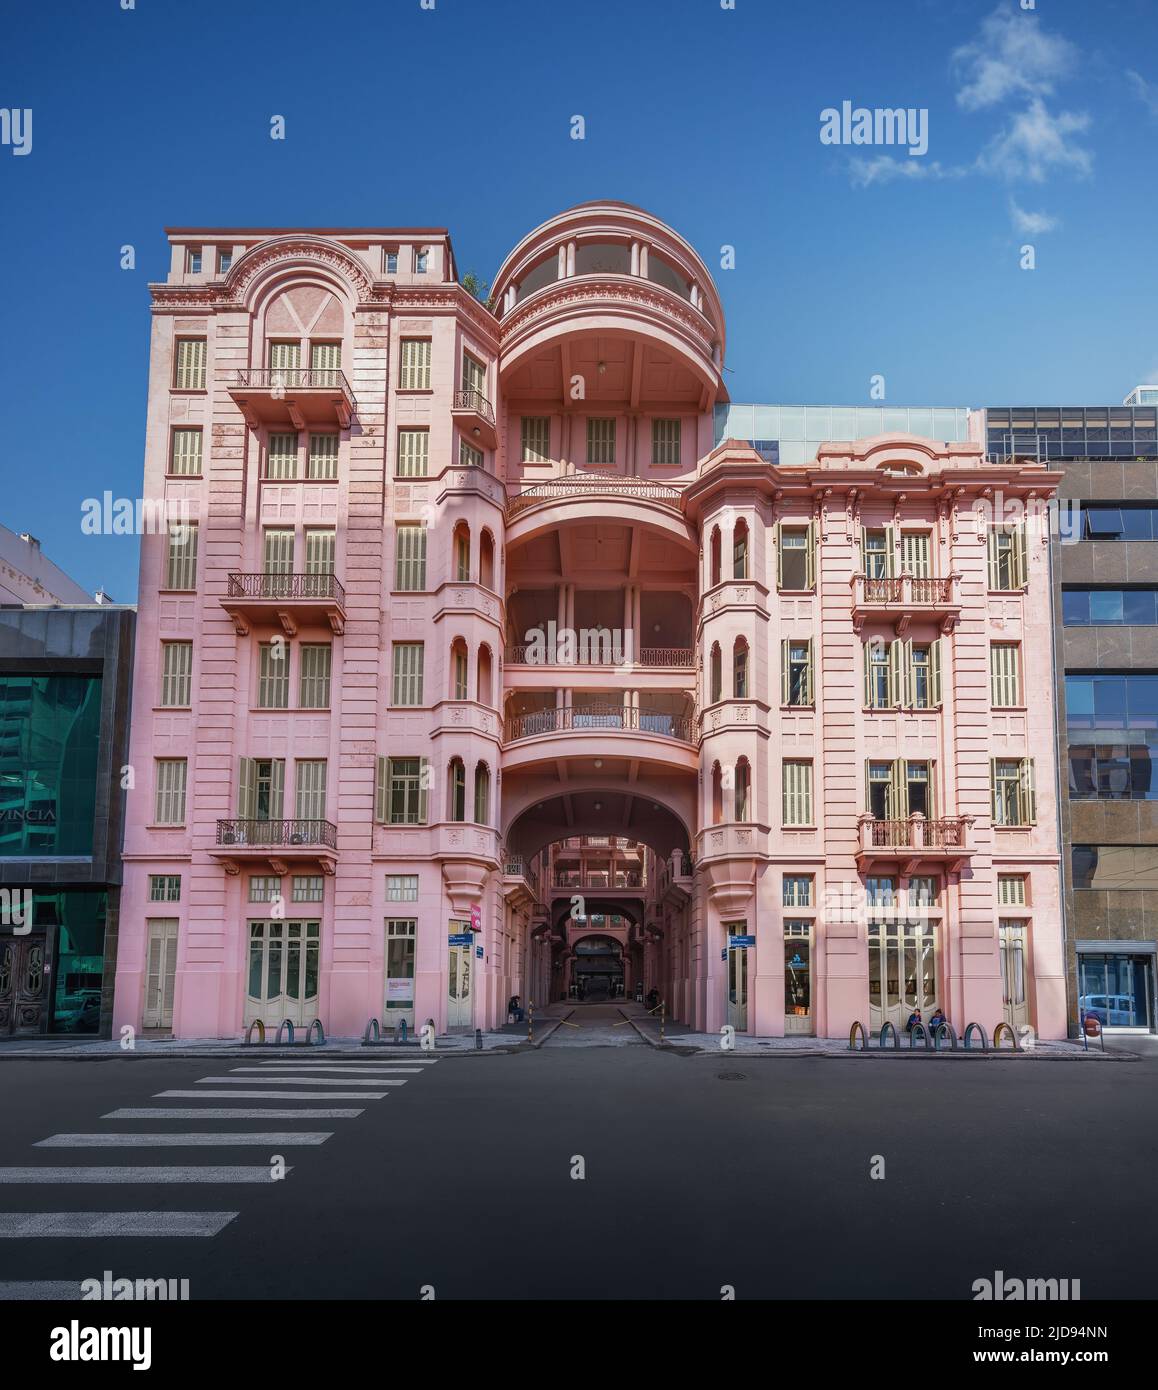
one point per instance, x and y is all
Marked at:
(1145, 91)
(1035, 143)
(1030, 223)
(1012, 56)
(885, 169)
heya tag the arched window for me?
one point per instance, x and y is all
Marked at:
(740, 550)
(458, 670)
(717, 794)
(486, 560)
(740, 669)
(715, 555)
(456, 790)
(716, 679)
(743, 790)
(461, 552)
(484, 675)
(482, 794)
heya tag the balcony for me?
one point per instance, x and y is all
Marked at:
(915, 840)
(906, 597)
(474, 413)
(297, 396)
(597, 488)
(293, 600)
(565, 880)
(520, 882)
(680, 658)
(674, 880)
(277, 842)
(600, 719)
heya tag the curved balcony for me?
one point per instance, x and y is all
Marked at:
(556, 502)
(905, 597)
(298, 396)
(293, 600)
(476, 415)
(600, 719)
(655, 658)
(915, 840)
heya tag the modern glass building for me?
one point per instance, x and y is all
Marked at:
(64, 707)
(792, 433)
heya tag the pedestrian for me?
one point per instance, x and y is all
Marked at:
(914, 1018)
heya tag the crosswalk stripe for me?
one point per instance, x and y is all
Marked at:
(178, 1173)
(162, 1112)
(359, 1062)
(304, 1069)
(28, 1290)
(274, 1138)
(105, 1225)
(271, 1095)
(292, 1081)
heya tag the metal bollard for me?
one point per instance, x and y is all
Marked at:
(662, 1016)
(478, 1039)
(530, 1022)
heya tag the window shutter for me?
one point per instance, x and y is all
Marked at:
(935, 672)
(866, 648)
(809, 698)
(784, 671)
(1028, 793)
(1022, 576)
(810, 558)
(277, 789)
(864, 549)
(868, 786)
(896, 674)
(890, 551)
(245, 789)
(931, 785)
(380, 789)
(900, 786)
(423, 779)
(994, 565)
(993, 791)
(779, 556)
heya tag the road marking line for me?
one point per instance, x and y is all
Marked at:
(271, 1095)
(103, 1225)
(274, 1138)
(27, 1290)
(303, 1069)
(178, 1173)
(301, 1113)
(356, 1062)
(291, 1081)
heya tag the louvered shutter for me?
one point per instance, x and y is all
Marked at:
(779, 555)
(896, 674)
(246, 789)
(935, 673)
(423, 780)
(809, 698)
(994, 560)
(1028, 793)
(993, 791)
(1021, 579)
(869, 683)
(900, 790)
(277, 789)
(890, 551)
(810, 558)
(785, 690)
(381, 785)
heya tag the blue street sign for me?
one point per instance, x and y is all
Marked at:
(478, 950)
(461, 938)
(742, 941)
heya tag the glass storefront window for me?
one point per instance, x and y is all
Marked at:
(49, 738)
(79, 959)
(1116, 989)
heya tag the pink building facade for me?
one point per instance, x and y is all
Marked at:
(470, 666)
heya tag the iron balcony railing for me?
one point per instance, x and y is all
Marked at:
(313, 587)
(293, 379)
(602, 718)
(476, 401)
(946, 833)
(282, 834)
(588, 656)
(518, 868)
(565, 489)
(593, 879)
(907, 588)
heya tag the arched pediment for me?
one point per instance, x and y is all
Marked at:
(305, 253)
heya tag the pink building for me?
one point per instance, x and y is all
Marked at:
(477, 670)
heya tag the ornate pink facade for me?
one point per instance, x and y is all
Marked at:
(465, 618)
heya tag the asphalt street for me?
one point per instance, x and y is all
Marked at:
(459, 1175)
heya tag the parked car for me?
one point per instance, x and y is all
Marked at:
(1111, 1010)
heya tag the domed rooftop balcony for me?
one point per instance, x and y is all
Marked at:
(607, 293)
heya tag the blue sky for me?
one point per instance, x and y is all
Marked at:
(850, 261)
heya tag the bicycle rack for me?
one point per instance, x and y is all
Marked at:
(1008, 1028)
(940, 1031)
(969, 1027)
(913, 1035)
(372, 1033)
(321, 1033)
(890, 1027)
(400, 1031)
(281, 1027)
(257, 1023)
(857, 1027)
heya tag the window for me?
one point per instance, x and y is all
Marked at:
(1004, 675)
(160, 973)
(193, 260)
(456, 790)
(181, 560)
(273, 674)
(413, 453)
(284, 358)
(797, 792)
(1108, 522)
(164, 888)
(716, 678)
(323, 460)
(458, 667)
(264, 888)
(880, 790)
(281, 457)
(189, 366)
(315, 663)
(185, 455)
(1011, 890)
(877, 553)
(796, 557)
(881, 892)
(224, 261)
(665, 443)
(743, 789)
(797, 890)
(326, 361)
(169, 807)
(920, 663)
(923, 890)
(401, 791)
(260, 788)
(1007, 558)
(902, 674)
(310, 789)
(390, 261)
(482, 794)
(1121, 867)
(1112, 728)
(320, 547)
(468, 455)
(415, 365)
(1110, 607)
(915, 553)
(740, 549)
(796, 671)
(401, 888)
(400, 947)
(882, 679)
(600, 440)
(176, 674)
(462, 552)
(1014, 800)
(474, 376)
(740, 669)
(307, 888)
(408, 673)
(277, 551)
(535, 431)
(901, 788)
(409, 557)
(714, 556)
(421, 257)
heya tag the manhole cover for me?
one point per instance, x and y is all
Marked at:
(731, 1076)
